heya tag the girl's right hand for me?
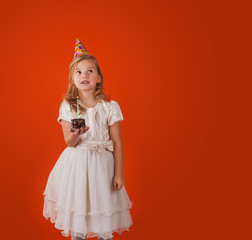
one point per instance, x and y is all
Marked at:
(79, 131)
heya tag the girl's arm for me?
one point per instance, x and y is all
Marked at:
(115, 136)
(71, 138)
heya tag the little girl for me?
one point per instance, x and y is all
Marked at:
(85, 194)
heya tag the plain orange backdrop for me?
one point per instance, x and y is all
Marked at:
(178, 71)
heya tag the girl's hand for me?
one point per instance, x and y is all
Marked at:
(118, 182)
(79, 131)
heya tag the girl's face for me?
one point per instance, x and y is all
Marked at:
(86, 75)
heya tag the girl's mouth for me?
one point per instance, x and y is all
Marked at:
(84, 82)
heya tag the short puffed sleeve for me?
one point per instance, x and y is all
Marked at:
(65, 112)
(115, 113)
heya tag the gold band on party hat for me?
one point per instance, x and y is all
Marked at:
(79, 49)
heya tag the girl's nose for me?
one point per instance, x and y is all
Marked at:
(84, 75)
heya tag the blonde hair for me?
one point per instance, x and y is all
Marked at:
(73, 91)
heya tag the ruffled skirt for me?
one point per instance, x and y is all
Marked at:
(79, 197)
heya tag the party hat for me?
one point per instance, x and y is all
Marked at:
(79, 49)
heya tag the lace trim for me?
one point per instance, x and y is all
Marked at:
(105, 235)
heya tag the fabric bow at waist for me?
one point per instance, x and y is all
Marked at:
(96, 146)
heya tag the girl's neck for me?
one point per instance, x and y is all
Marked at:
(88, 98)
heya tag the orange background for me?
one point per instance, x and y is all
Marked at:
(178, 71)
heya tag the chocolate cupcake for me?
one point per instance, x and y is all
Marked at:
(78, 123)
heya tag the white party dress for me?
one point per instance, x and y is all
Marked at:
(79, 197)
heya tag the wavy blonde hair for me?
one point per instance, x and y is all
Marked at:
(73, 91)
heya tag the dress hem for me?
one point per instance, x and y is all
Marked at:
(91, 234)
(69, 232)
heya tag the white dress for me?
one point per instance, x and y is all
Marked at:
(79, 197)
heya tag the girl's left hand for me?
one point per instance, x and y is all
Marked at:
(118, 182)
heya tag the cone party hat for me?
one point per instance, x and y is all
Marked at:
(79, 49)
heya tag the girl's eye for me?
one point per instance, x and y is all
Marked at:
(79, 72)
